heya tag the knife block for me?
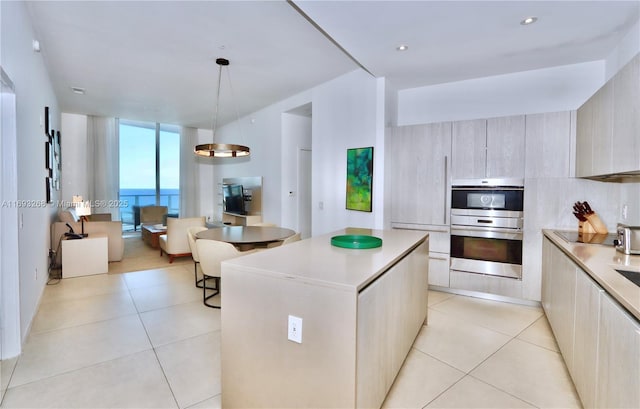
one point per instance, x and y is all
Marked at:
(592, 225)
(585, 228)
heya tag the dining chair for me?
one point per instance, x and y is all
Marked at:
(212, 253)
(191, 237)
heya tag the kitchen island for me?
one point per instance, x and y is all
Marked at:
(360, 312)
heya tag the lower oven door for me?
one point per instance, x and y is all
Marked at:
(493, 252)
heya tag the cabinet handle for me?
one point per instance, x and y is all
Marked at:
(444, 219)
(438, 258)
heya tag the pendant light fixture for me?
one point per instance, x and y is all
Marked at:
(220, 150)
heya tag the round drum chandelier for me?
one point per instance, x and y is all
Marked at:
(220, 150)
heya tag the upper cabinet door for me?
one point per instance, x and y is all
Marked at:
(608, 126)
(626, 118)
(469, 149)
(505, 147)
(419, 159)
(584, 139)
(548, 145)
(602, 124)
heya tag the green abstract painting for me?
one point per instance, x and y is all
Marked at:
(359, 178)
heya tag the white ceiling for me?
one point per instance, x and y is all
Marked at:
(156, 60)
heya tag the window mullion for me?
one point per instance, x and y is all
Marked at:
(157, 164)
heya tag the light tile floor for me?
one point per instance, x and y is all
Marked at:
(144, 339)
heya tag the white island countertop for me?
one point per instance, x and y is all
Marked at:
(316, 261)
(600, 262)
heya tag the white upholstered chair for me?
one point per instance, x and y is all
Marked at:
(191, 237)
(211, 254)
(175, 243)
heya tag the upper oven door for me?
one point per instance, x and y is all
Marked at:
(486, 199)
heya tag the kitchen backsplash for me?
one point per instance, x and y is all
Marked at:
(549, 202)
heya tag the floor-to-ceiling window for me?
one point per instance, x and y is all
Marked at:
(149, 167)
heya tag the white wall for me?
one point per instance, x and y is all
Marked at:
(262, 132)
(33, 92)
(553, 89)
(346, 114)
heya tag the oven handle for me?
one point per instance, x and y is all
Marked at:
(487, 232)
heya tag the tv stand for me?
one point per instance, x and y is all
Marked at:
(241, 219)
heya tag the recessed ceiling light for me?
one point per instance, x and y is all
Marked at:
(402, 47)
(78, 90)
(529, 20)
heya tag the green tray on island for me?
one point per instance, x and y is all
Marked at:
(356, 241)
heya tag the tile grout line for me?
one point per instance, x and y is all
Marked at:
(153, 349)
(468, 373)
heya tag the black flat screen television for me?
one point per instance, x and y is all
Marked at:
(233, 199)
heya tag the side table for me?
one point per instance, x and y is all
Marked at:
(151, 235)
(87, 256)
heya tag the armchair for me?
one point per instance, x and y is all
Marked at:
(152, 214)
(175, 243)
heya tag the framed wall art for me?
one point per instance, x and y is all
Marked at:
(360, 179)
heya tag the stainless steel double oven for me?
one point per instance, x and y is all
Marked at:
(486, 226)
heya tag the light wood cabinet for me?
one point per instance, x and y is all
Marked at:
(618, 357)
(585, 349)
(602, 123)
(420, 186)
(439, 250)
(608, 126)
(505, 147)
(548, 145)
(390, 312)
(360, 315)
(560, 303)
(489, 148)
(469, 149)
(419, 166)
(598, 339)
(626, 118)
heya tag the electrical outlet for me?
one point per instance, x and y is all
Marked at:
(625, 212)
(36, 273)
(294, 332)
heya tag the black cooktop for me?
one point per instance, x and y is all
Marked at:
(590, 238)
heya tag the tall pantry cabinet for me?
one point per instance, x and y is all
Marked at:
(419, 161)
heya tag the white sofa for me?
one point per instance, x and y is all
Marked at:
(112, 229)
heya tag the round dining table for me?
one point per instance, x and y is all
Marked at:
(246, 237)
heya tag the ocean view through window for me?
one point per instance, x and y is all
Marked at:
(149, 168)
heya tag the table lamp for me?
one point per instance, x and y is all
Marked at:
(83, 209)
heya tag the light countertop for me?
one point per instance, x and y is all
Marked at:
(316, 261)
(600, 262)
